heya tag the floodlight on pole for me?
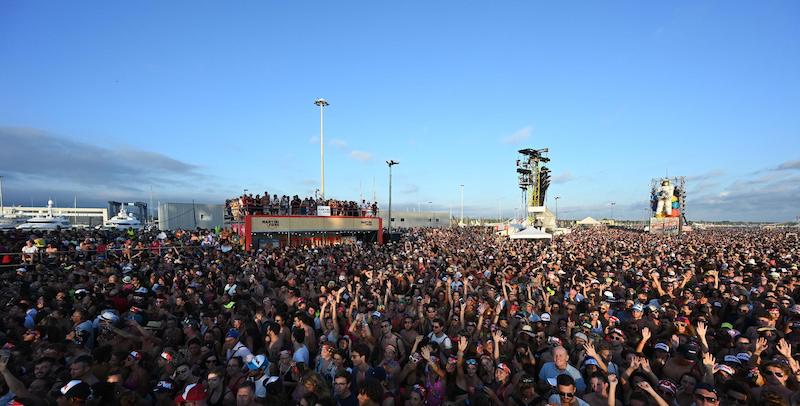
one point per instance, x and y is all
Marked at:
(322, 103)
(462, 205)
(556, 198)
(391, 163)
(612, 211)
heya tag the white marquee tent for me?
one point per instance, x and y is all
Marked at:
(531, 233)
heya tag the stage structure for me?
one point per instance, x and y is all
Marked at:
(668, 205)
(534, 179)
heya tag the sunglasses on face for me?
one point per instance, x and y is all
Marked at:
(706, 398)
(566, 395)
(777, 374)
(732, 400)
(472, 362)
(680, 324)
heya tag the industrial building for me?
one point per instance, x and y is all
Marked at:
(190, 216)
(77, 216)
(136, 209)
(410, 219)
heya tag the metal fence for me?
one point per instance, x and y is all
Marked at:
(42, 257)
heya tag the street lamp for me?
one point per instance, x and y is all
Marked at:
(462, 205)
(391, 163)
(321, 103)
(557, 197)
(612, 211)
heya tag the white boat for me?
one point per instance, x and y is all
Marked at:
(10, 221)
(49, 222)
(122, 221)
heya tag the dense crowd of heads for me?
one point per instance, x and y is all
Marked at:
(295, 206)
(442, 317)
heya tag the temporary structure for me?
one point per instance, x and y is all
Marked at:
(531, 233)
(588, 221)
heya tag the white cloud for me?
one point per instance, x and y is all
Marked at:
(788, 165)
(563, 177)
(360, 155)
(519, 136)
(338, 143)
(313, 139)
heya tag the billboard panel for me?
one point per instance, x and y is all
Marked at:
(666, 225)
(282, 224)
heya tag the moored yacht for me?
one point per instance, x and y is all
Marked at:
(122, 221)
(47, 222)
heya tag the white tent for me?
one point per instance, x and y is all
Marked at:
(531, 233)
(588, 221)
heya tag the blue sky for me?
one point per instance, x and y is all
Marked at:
(198, 100)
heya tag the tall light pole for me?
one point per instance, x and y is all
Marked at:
(322, 103)
(612, 211)
(462, 205)
(2, 206)
(391, 163)
(557, 197)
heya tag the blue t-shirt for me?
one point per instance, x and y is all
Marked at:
(301, 355)
(550, 371)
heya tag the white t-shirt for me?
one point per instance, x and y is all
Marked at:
(239, 350)
(443, 341)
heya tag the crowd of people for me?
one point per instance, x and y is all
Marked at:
(295, 206)
(442, 317)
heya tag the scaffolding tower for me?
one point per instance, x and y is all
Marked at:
(534, 178)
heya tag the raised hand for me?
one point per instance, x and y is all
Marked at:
(709, 360)
(462, 344)
(426, 353)
(761, 345)
(418, 339)
(645, 364)
(784, 349)
(646, 334)
(481, 308)
(702, 329)
(645, 386)
(590, 351)
(612, 380)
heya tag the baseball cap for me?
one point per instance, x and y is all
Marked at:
(528, 330)
(581, 336)
(258, 362)
(76, 389)
(590, 361)
(732, 359)
(545, 317)
(135, 355)
(724, 368)
(662, 347)
(638, 307)
(726, 325)
(668, 386)
(232, 333)
(504, 367)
